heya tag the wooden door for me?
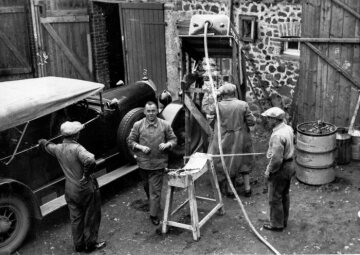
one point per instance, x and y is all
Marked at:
(330, 63)
(143, 29)
(64, 38)
(15, 49)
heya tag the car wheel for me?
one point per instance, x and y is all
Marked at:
(124, 129)
(14, 223)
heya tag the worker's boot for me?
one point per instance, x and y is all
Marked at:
(225, 189)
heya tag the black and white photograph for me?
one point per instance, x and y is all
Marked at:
(154, 127)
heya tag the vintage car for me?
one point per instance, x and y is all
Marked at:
(31, 181)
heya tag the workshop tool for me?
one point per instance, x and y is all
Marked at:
(185, 177)
(221, 149)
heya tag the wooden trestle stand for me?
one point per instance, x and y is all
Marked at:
(185, 177)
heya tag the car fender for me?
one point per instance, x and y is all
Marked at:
(15, 187)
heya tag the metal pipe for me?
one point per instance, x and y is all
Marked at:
(36, 146)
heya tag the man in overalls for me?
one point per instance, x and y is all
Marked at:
(81, 189)
(150, 139)
(280, 168)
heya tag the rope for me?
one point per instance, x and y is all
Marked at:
(225, 155)
(221, 149)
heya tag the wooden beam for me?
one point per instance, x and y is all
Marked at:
(12, 9)
(197, 115)
(334, 65)
(194, 90)
(65, 19)
(14, 50)
(77, 64)
(318, 40)
(347, 8)
(59, 13)
(8, 71)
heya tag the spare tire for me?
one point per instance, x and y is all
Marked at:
(124, 129)
(174, 113)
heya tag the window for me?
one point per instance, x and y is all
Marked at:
(292, 47)
(247, 26)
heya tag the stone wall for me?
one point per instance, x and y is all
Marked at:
(278, 73)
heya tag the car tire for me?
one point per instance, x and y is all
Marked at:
(124, 129)
(14, 223)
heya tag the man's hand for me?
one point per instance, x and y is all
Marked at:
(143, 148)
(42, 143)
(164, 146)
(84, 180)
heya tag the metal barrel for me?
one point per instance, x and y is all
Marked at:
(355, 147)
(343, 145)
(315, 155)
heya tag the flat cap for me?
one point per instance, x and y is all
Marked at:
(227, 89)
(69, 128)
(274, 112)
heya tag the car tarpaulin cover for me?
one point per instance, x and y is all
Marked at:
(29, 99)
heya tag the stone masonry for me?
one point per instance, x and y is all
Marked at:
(278, 72)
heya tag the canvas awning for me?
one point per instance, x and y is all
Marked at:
(25, 100)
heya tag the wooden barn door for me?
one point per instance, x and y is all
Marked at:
(330, 61)
(15, 49)
(143, 29)
(64, 38)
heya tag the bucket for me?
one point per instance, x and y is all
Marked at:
(344, 148)
(315, 152)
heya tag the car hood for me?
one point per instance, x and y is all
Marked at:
(29, 99)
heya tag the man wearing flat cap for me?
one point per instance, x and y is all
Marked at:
(280, 168)
(81, 189)
(236, 118)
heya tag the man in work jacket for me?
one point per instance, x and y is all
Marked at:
(150, 138)
(280, 168)
(81, 190)
(235, 117)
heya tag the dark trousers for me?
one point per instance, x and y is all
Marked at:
(152, 181)
(85, 214)
(279, 199)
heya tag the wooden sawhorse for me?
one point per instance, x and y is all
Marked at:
(198, 164)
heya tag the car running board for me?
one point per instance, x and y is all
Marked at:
(59, 202)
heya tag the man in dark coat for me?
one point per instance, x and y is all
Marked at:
(151, 138)
(280, 168)
(81, 190)
(236, 118)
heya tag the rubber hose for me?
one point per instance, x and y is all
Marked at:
(221, 149)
